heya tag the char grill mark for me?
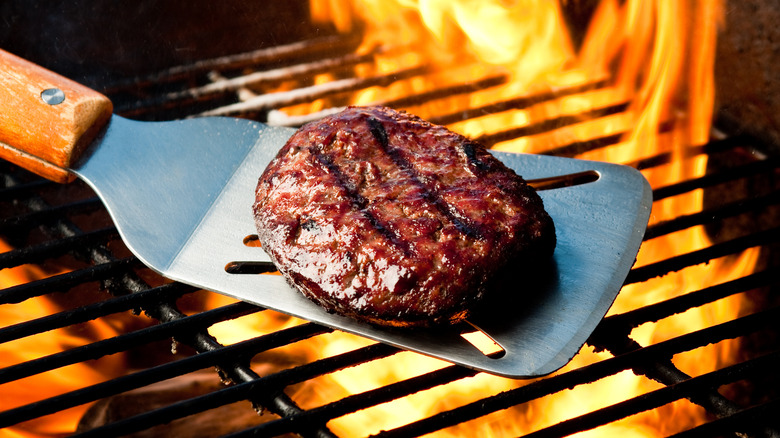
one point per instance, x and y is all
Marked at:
(379, 133)
(471, 156)
(358, 201)
(431, 191)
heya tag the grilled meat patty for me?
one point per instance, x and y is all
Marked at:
(381, 216)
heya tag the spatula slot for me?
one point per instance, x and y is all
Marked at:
(568, 180)
(250, 267)
(483, 342)
(253, 241)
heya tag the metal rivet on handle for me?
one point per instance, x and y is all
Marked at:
(53, 96)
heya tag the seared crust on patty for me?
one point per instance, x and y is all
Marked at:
(384, 217)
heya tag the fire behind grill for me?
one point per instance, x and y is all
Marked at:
(86, 275)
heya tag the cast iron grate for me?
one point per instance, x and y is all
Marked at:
(54, 226)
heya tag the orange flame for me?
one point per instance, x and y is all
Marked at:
(657, 57)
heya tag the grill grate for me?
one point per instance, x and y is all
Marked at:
(66, 227)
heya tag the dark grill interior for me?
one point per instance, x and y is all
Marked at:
(137, 331)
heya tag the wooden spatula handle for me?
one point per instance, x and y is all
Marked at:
(46, 131)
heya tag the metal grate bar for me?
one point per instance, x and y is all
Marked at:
(231, 85)
(444, 92)
(278, 118)
(55, 248)
(62, 282)
(269, 101)
(354, 403)
(748, 421)
(515, 103)
(711, 215)
(275, 75)
(90, 312)
(713, 146)
(20, 191)
(733, 173)
(678, 262)
(36, 218)
(275, 54)
(126, 341)
(624, 322)
(573, 149)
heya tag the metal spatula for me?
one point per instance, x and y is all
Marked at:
(181, 192)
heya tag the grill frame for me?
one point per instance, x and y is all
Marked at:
(119, 275)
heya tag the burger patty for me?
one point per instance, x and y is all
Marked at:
(386, 218)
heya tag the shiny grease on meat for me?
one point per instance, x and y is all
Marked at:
(386, 218)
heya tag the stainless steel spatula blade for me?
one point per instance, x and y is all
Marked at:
(160, 180)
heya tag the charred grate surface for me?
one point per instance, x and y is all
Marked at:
(80, 265)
